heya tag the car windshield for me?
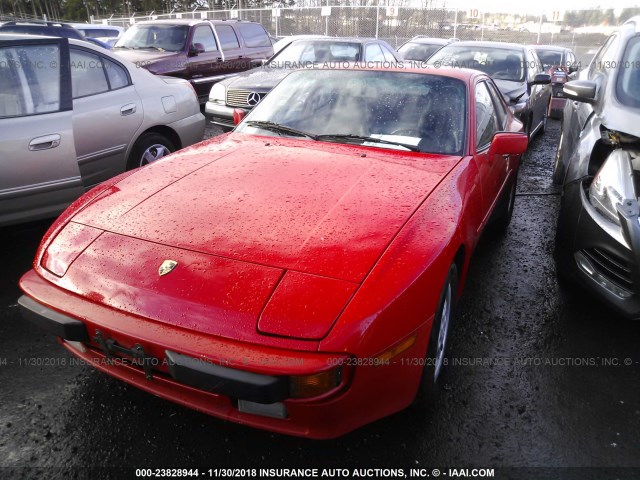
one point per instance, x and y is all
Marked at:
(170, 38)
(628, 81)
(498, 62)
(385, 109)
(309, 52)
(549, 58)
(417, 51)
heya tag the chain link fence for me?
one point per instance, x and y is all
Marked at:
(395, 25)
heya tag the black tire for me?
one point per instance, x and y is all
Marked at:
(149, 147)
(432, 374)
(504, 211)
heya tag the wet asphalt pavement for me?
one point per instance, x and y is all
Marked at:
(539, 380)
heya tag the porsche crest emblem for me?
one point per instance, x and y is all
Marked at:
(166, 267)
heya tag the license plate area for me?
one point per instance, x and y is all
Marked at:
(135, 356)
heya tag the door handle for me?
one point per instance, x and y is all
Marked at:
(45, 142)
(219, 59)
(128, 109)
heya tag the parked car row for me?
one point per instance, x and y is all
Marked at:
(300, 273)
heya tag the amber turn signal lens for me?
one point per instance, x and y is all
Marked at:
(396, 350)
(308, 386)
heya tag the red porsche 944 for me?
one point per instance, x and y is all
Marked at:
(300, 273)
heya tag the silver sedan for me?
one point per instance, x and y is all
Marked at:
(72, 116)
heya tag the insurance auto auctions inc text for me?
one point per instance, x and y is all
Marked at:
(375, 473)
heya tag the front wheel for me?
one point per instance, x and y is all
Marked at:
(150, 147)
(436, 359)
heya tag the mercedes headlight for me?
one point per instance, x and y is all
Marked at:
(613, 185)
(218, 93)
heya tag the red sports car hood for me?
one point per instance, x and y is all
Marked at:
(271, 236)
(311, 207)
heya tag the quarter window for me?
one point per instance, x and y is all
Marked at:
(254, 35)
(118, 78)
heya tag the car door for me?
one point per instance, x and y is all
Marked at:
(40, 175)
(539, 94)
(494, 169)
(205, 65)
(107, 112)
(233, 57)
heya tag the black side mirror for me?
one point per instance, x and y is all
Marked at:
(196, 49)
(258, 63)
(580, 91)
(541, 79)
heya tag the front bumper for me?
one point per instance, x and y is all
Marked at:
(598, 254)
(219, 114)
(216, 375)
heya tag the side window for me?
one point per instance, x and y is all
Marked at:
(204, 36)
(254, 35)
(87, 74)
(227, 36)
(92, 74)
(29, 80)
(597, 62)
(532, 65)
(486, 121)
(388, 56)
(501, 112)
(373, 53)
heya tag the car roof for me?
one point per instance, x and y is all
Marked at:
(96, 26)
(485, 43)
(338, 40)
(553, 48)
(634, 22)
(429, 40)
(190, 22)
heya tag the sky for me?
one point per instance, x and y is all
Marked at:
(539, 6)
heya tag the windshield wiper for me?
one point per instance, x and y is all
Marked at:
(341, 136)
(276, 127)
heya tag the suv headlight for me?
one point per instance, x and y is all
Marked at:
(613, 185)
(218, 93)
